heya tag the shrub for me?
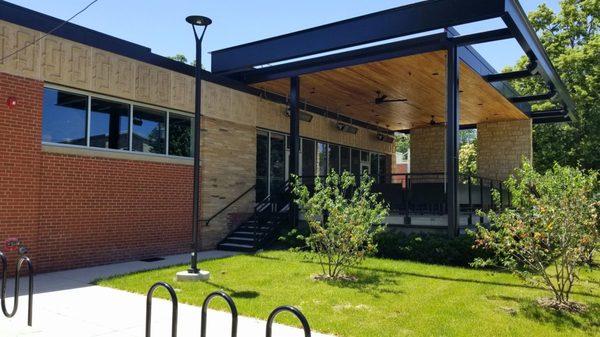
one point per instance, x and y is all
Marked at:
(342, 218)
(428, 248)
(549, 231)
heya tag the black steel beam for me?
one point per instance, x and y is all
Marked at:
(516, 20)
(452, 129)
(294, 162)
(535, 98)
(396, 22)
(483, 37)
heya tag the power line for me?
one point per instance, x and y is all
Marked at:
(48, 33)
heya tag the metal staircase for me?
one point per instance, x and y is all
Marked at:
(270, 215)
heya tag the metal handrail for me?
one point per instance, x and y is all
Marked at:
(293, 310)
(207, 221)
(149, 307)
(232, 307)
(20, 262)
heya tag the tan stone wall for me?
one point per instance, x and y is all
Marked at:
(60, 61)
(428, 150)
(228, 169)
(501, 146)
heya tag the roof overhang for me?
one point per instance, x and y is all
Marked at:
(250, 62)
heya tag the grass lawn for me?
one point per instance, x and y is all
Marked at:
(392, 298)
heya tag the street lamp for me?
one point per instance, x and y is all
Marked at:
(193, 273)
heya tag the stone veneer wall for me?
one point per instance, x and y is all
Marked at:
(501, 147)
(428, 150)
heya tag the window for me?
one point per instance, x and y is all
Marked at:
(308, 160)
(334, 157)
(262, 165)
(355, 162)
(383, 175)
(344, 159)
(109, 124)
(78, 119)
(149, 130)
(321, 159)
(64, 119)
(180, 136)
(375, 166)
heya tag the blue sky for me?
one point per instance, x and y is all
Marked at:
(160, 24)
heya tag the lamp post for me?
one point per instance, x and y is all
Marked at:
(193, 273)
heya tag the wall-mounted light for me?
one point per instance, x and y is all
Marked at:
(385, 138)
(346, 128)
(305, 117)
(11, 102)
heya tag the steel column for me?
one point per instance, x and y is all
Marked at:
(294, 162)
(452, 129)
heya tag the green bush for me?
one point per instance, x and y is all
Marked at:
(428, 248)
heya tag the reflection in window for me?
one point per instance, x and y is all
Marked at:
(321, 159)
(355, 162)
(344, 159)
(64, 117)
(308, 161)
(109, 124)
(277, 174)
(149, 130)
(334, 157)
(383, 168)
(262, 165)
(375, 166)
(180, 136)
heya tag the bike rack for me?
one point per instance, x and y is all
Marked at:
(294, 311)
(20, 262)
(232, 307)
(149, 307)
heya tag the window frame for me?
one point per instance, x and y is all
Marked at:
(131, 104)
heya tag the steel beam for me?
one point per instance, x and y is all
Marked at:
(396, 22)
(516, 20)
(483, 37)
(534, 98)
(452, 129)
(294, 162)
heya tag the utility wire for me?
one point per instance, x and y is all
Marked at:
(48, 33)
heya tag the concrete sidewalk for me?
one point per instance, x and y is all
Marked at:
(66, 304)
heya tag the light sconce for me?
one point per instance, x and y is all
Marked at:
(303, 116)
(385, 138)
(346, 128)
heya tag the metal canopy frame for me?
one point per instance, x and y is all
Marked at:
(249, 62)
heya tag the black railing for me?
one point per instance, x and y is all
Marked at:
(269, 213)
(231, 203)
(232, 307)
(174, 313)
(425, 193)
(13, 312)
(293, 310)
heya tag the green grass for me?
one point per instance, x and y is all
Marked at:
(392, 298)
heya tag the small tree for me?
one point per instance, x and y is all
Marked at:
(549, 230)
(343, 219)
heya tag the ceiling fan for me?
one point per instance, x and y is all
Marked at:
(380, 99)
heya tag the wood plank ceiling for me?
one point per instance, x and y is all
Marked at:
(420, 79)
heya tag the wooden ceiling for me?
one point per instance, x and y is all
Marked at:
(421, 79)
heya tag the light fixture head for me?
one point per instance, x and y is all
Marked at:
(198, 20)
(385, 138)
(346, 128)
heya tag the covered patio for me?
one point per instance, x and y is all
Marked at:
(408, 70)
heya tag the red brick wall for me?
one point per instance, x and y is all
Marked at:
(74, 211)
(20, 150)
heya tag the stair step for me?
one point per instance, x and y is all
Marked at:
(236, 247)
(240, 238)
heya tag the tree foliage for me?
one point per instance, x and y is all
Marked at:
(343, 219)
(572, 40)
(550, 229)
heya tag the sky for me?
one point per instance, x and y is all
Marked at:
(160, 24)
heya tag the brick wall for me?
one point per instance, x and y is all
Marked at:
(427, 150)
(75, 211)
(501, 146)
(20, 134)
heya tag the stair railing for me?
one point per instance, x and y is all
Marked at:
(268, 211)
(173, 296)
(232, 308)
(9, 314)
(295, 312)
(207, 221)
